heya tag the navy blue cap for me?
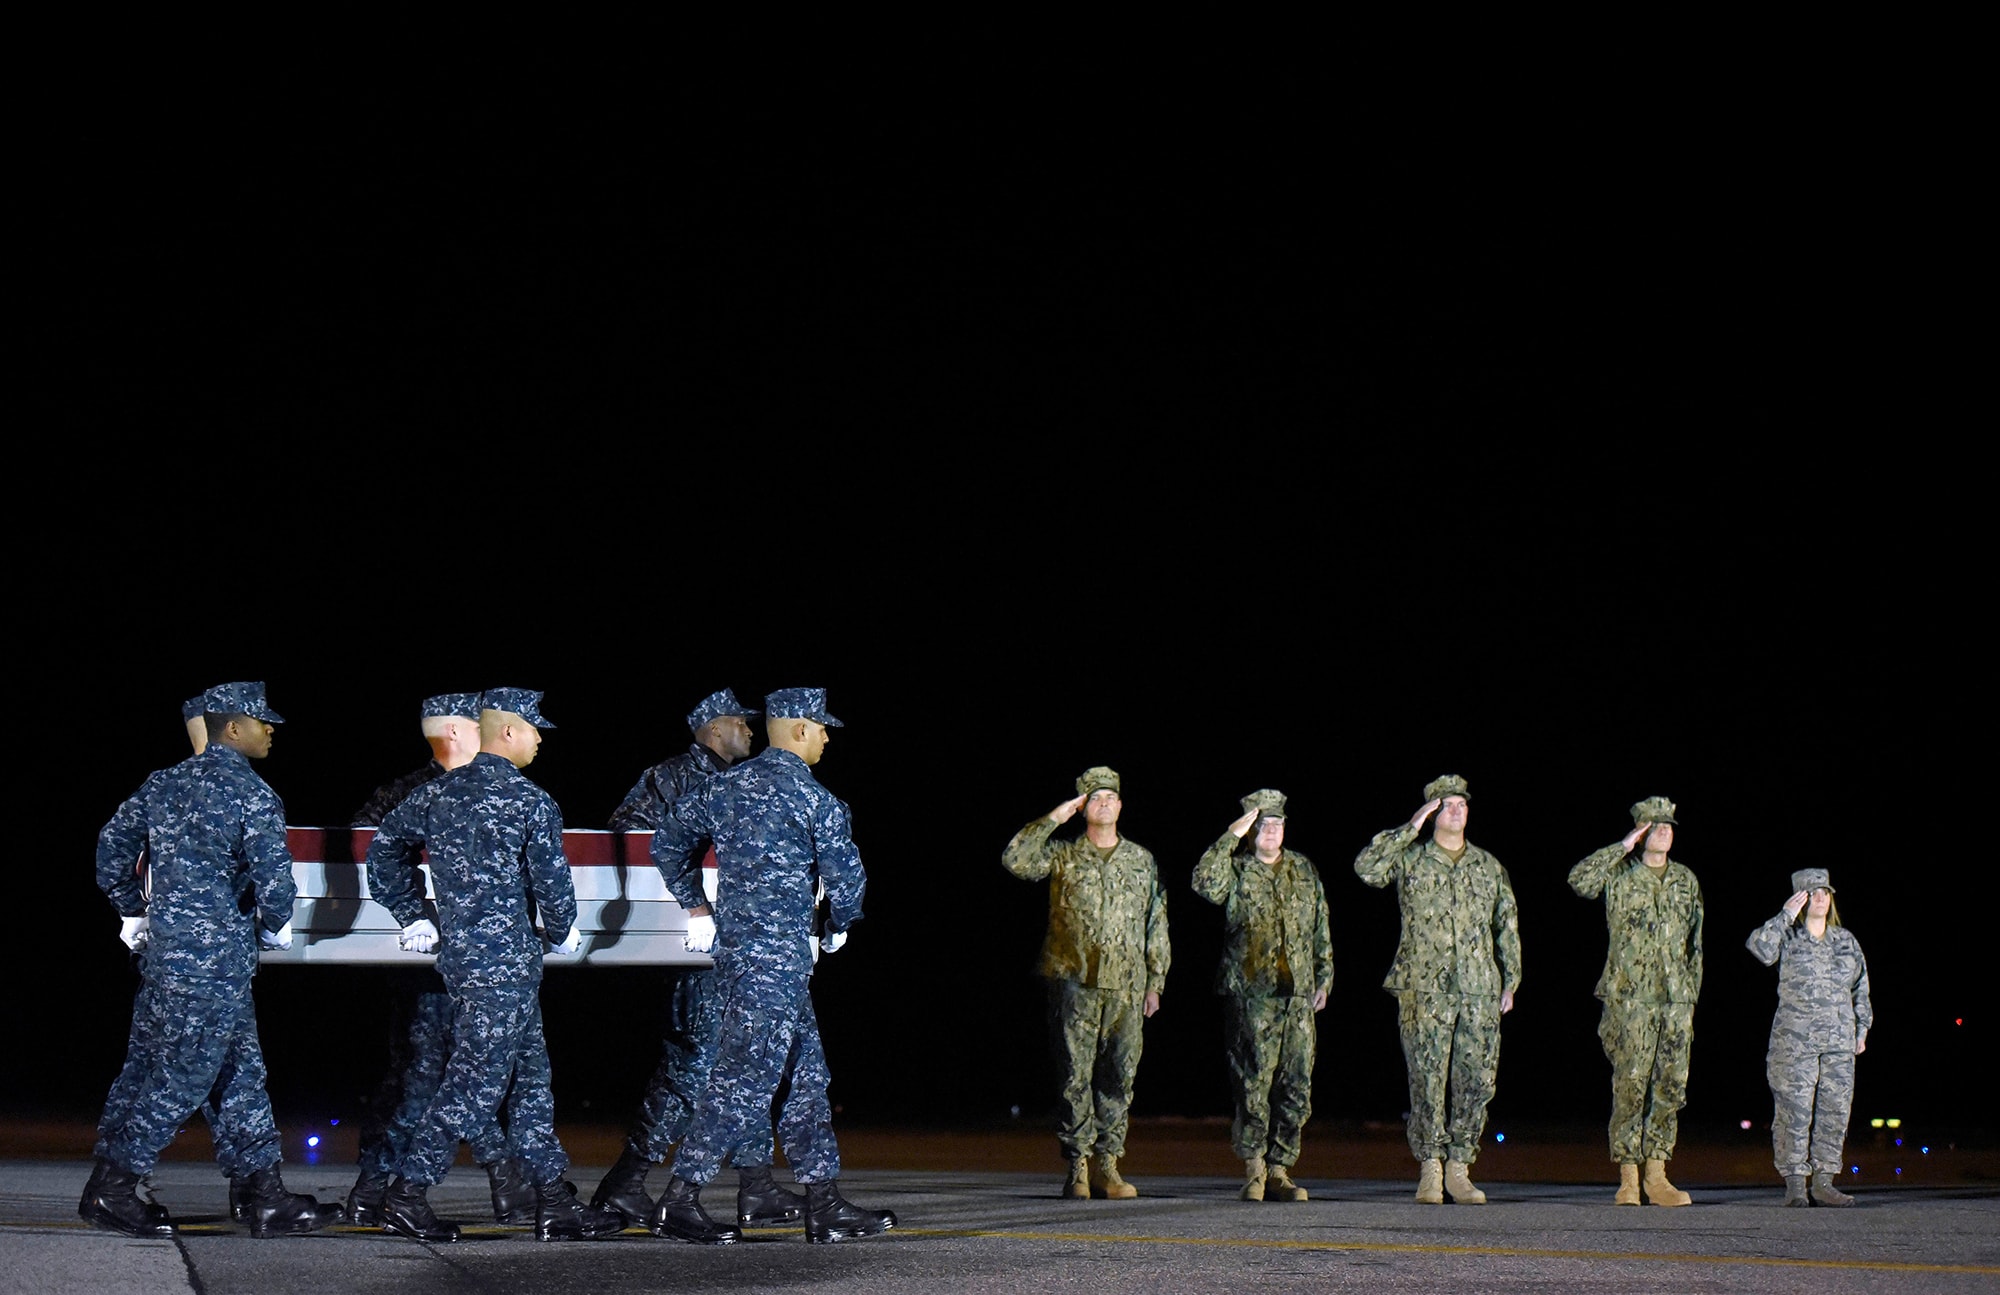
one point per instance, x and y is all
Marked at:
(524, 702)
(240, 699)
(715, 706)
(800, 703)
(192, 707)
(462, 705)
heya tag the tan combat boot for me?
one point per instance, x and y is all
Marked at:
(1253, 1179)
(1458, 1182)
(1280, 1187)
(1113, 1188)
(1077, 1186)
(1795, 1191)
(1825, 1193)
(1628, 1186)
(1430, 1183)
(1658, 1189)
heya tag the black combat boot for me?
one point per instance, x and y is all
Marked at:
(272, 1211)
(560, 1216)
(364, 1199)
(761, 1203)
(679, 1214)
(111, 1201)
(513, 1194)
(829, 1217)
(624, 1189)
(239, 1199)
(406, 1211)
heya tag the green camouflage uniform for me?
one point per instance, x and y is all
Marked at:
(1652, 977)
(1277, 955)
(1106, 949)
(1460, 950)
(1823, 1015)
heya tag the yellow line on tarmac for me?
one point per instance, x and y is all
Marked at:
(1376, 1247)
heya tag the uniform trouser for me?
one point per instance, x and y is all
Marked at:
(1813, 1095)
(694, 1028)
(768, 1038)
(1647, 1045)
(1270, 1043)
(1451, 1045)
(1098, 1035)
(199, 1051)
(420, 1017)
(499, 1057)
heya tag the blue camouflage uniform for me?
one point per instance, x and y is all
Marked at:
(213, 835)
(420, 1017)
(496, 857)
(778, 835)
(694, 1019)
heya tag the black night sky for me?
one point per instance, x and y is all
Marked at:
(1322, 422)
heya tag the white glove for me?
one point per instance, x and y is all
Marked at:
(701, 934)
(420, 936)
(571, 943)
(831, 941)
(279, 939)
(133, 930)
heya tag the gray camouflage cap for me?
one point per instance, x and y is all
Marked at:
(1267, 803)
(1098, 778)
(1449, 785)
(1812, 879)
(1654, 809)
(525, 702)
(715, 706)
(800, 703)
(461, 705)
(240, 699)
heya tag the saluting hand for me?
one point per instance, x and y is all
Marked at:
(1430, 808)
(1241, 827)
(1796, 904)
(1632, 837)
(1067, 810)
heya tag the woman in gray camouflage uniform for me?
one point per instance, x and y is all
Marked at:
(1821, 1026)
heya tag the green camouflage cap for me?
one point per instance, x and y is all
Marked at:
(1267, 803)
(1449, 785)
(1812, 879)
(1654, 809)
(1098, 778)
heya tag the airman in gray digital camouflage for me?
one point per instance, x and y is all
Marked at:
(217, 884)
(1824, 1015)
(1275, 974)
(494, 843)
(1105, 956)
(1651, 979)
(1457, 967)
(779, 838)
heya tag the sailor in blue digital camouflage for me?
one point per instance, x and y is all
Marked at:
(1822, 1025)
(1651, 979)
(494, 841)
(721, 728)
(1105, 956)
(420, 1011)
(1457, 966)
(1275, 974)
(217, 884)
(224, 1129)
(779, 838)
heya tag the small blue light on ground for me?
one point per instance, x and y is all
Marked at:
(1854, 1169)
(1899, 1171)
(313, 1141)
(1899, 1142)
(1499, 1137)
(334, 1123)
(1925, 1150)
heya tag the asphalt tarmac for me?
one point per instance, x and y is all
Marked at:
(978, 1212)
